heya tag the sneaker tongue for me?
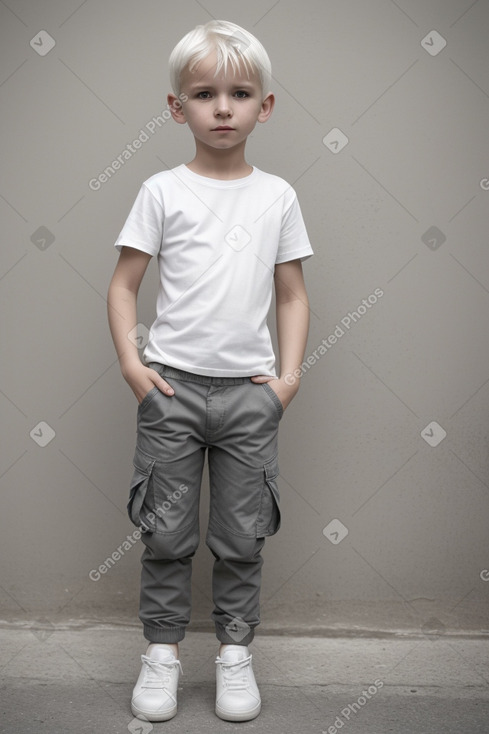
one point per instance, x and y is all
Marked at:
(233, 653)
(160, 653)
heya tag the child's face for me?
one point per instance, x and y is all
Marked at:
(233, 102)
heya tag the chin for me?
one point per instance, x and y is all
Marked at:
(222, 146)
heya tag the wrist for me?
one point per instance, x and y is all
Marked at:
(290, 378)
(128, 363)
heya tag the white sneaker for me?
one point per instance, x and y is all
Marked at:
(154, 697)
(237, 695)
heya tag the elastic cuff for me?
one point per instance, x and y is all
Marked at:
(169, 635)
(229, 636)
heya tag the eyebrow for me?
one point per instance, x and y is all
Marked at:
(200, 85)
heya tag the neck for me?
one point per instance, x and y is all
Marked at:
(223, 164)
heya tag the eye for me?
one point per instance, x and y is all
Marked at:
(201, 95)
(241, 94)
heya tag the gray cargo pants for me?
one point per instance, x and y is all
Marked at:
(237, 422)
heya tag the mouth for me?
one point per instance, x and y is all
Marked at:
(222, 128)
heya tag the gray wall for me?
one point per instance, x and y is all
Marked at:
(402, 208)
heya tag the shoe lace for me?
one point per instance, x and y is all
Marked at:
(235, 673)
(157, 674)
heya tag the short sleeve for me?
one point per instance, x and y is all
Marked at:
(294, 241)
(143, 228)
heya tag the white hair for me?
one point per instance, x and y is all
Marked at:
(232, 44)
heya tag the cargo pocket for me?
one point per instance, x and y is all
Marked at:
(268, 521)
(140, 482)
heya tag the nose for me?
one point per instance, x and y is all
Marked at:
(222, 106)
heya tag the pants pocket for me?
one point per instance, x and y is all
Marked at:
(268, 520)
(274, 398)
(143, 469)
(164, 497)
(148, 398)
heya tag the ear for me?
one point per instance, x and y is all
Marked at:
(176, 109)
(266, 108)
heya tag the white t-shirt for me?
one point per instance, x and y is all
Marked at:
(217, 244)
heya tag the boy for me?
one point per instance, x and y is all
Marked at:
(224, 232)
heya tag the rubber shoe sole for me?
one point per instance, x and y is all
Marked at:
(163, 716)
(234, 716)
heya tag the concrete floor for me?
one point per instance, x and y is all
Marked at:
(61, 680)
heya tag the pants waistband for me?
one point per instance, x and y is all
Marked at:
(166, 371)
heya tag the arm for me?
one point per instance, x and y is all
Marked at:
(122, 314)
(292, 311)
